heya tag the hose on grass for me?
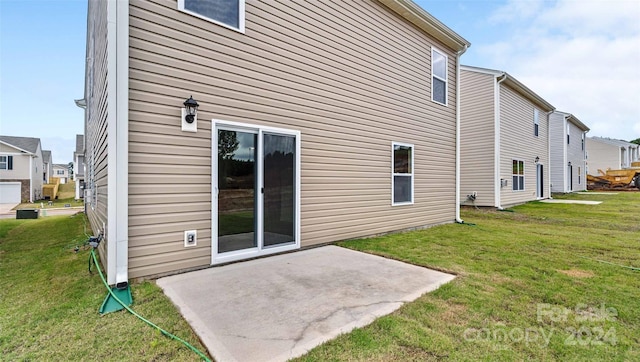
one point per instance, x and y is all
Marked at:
(164, 332)
(610, 263)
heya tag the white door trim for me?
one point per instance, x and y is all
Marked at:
(260, 250)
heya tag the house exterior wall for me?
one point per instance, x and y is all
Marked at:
(96, 121)
(558, 154)
(602, 156)
(20, 169)
(477, 138)
(351, 84)
(27, 169)
(576, 155)
(518, 142)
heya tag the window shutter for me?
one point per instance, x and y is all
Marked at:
(9, 162)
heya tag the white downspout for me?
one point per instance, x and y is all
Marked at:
(458, 55)
(565, 155)
(496, 146)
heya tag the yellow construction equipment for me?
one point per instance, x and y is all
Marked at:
(625, 179)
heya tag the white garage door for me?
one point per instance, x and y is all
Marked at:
(10, 192)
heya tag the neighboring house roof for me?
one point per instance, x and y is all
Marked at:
(425, 21)
(60, 165)
(511, 81)
(79, 144)
(26, 144)
(46, 156)
(614, 142)
(573, 119)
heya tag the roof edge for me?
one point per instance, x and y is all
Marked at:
(427, 22)
(572, 118)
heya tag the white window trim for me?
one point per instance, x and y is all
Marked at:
(523, 175)
(5, 162)
(243, 254)
(241, 7)
(446, 80)
(393, 174)
(536, 122)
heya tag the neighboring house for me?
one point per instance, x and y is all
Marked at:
(323, 126)
(61, 171)
(504, 140)
(47, 166)
(568, 152)
(78, 166)
(606, 153)
(21, 167)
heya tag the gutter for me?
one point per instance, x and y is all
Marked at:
(496, 146)
(458, 55)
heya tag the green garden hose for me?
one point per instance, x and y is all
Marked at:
(194, 349)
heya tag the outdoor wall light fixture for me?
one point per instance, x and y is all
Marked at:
(569, 164)
(537, 159)
(191, 109)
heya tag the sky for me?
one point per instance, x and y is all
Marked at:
(582, 56)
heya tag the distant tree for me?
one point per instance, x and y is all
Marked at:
(70, 166)
(227, 144)
(636, 141)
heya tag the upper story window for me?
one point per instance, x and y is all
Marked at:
(59, 172)
(568, 132)
(439, 82)
(402, 177)
(228, 13)
(6, 162)
(536, 122)
(583, 141)
(518, 175)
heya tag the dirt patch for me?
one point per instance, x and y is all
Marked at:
(577, 273)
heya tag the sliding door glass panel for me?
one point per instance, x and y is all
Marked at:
(236, 190)
(279, 189)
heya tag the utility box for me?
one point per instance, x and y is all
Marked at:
(27, 214)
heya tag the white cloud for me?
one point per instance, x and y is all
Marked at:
(581, 56)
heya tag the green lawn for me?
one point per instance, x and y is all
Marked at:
(529, 287)
(49, 302)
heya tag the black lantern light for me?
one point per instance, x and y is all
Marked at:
(569, 164)
(537, 159)
(191, 108)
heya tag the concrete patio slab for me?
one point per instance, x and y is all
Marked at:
(584, 202)
(280, 307)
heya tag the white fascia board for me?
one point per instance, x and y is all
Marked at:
(117, 144)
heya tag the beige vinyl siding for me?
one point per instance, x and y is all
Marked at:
(558, 140)
(517, 141)
(477, 138)
(96, 126)
(602, 156)
(352, 77)
(20, 170)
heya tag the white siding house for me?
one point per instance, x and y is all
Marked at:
(607, 153)
(21, 169)
(568, 152)
(504, 140)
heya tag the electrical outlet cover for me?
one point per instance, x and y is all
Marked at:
(190, 238)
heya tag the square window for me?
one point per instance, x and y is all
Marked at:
(229, 13)
(536, 122)
(402, 174)
(3, 162)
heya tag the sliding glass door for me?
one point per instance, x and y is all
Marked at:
(256, 191)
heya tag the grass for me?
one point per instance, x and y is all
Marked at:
(523, 277)
(529, 287)
(66, 195)
(49, 302)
